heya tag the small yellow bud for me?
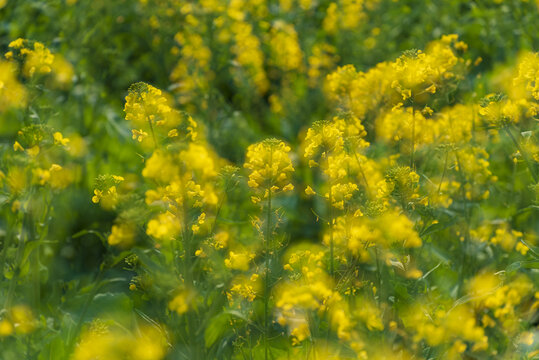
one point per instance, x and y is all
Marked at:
(288, 187)
(17, 146)
(255, 199)
(200, 253)
(33, 151)
(6, 328)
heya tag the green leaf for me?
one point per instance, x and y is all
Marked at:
(511, 269)
(217, 327)
(514, 267)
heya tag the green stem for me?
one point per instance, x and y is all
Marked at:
(153, 133)
(330, 221)
(378, 273)
(91, 295)
(473, 123)
(463, 245)
(331, 249)
(35, 266)
(361, 170)
(524, 154)
(443, 173)
(514, 176)
(188, 272)
(267, 274)
(13, 281)
(413, 140)
(218, 211)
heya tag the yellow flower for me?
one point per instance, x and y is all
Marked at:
(288, 187)
(399, 229)
(220, 240)
(122, 235)
(528, 74)
(238, 261)
(244, 288)
(341, 193)
(37, 58)
(180, 303)
(201, 218)
(97, 196)
(139, 135)
(284, 44)
(63, 72)
(270, 165)
(248, 54)
(414, 273)
(6, 328)
(17, 44)
(300, 333)
(163, 227)
(161, 167)
(431, 89)
(322, 138)
(145, 103)
(33, 151)
(59, 139)
(17, 146)
(499, 111)
(12, 93)
(101, 342)
(521, 248)
(23, 319)
(105, 190)
(200, 253)
(200, 159)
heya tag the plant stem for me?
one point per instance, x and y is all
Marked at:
(15, 277)
(378, 273)
(330, 221)
(331, 250)
(35, 264)
(267, 273)
(188, 276)
(443, 173)
(361, 170)
(91, 295)
(463, 245)
(153, 133)
(413, 140)
(524, 155)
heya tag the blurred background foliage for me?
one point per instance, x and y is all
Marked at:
(112, 44)
(100, 38)
(183, 48)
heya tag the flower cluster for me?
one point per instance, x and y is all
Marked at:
(396, 218)
(270, 166)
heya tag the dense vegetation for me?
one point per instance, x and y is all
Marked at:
(234, 179)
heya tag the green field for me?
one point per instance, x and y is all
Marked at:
(269, 179)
